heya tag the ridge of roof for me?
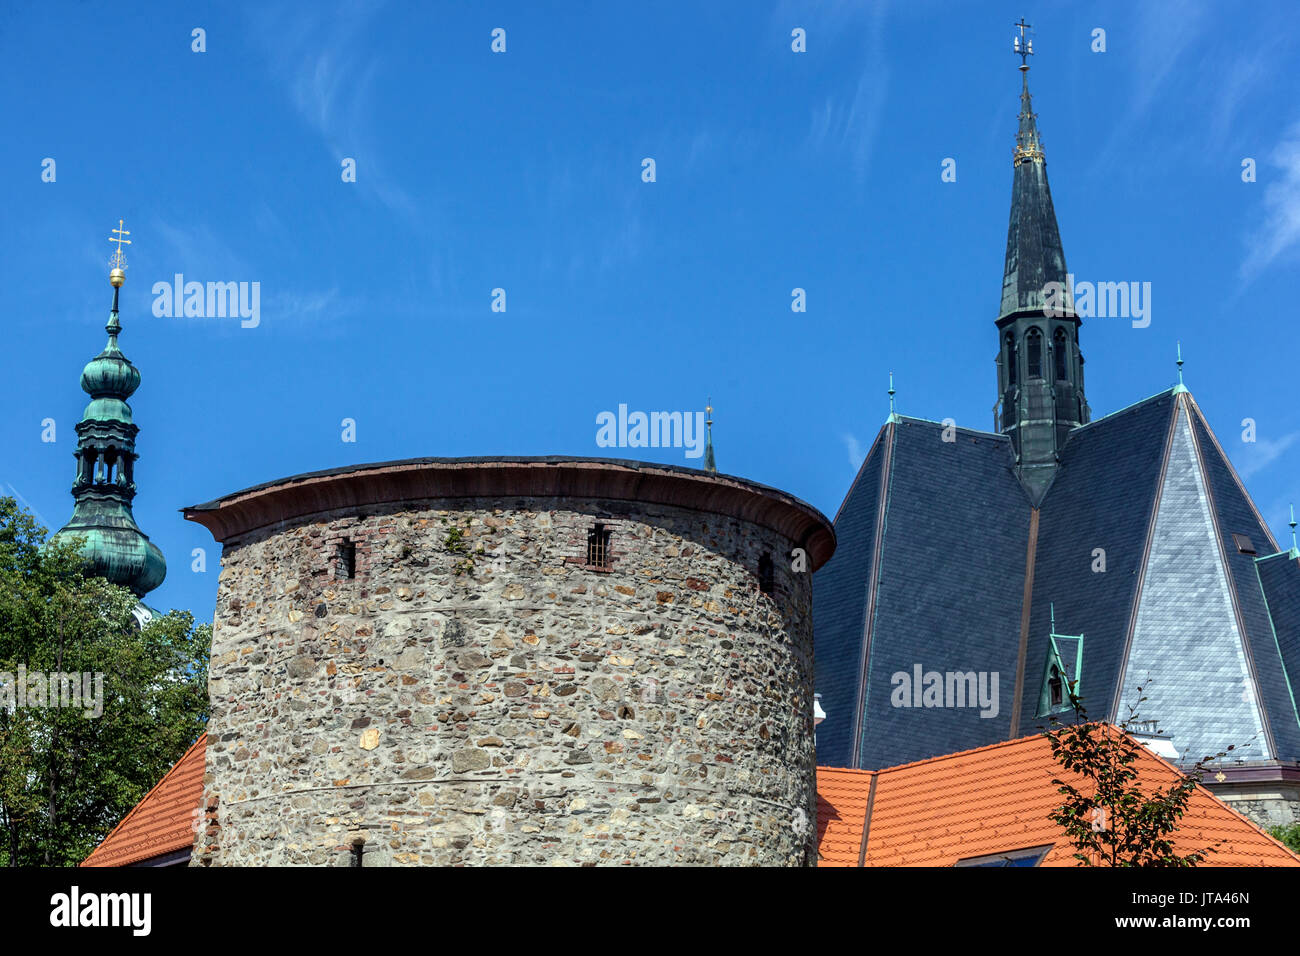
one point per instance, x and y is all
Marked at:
(1193, 406)
(861, 469)
(1169, 392)
(999, 436)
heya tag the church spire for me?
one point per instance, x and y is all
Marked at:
(1040, 367)
(114, 547)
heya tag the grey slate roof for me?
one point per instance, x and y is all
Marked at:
(1279, 581)
(954, 519)
(1187, 657)
(1101, 498)
(839, 607)
(1237, 514)
(948, 579)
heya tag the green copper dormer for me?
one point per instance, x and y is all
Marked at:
(1040, 367)
(104, 486)
(1062, 672)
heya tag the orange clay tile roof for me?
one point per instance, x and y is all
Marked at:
(161, 823)
(996, 799)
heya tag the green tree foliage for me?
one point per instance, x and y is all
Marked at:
(1289, 836)
(66, 777)
(1108, 816)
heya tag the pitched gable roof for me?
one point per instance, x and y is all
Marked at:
(994, 800)
(1279, 581)
(162, 822)
(1235, 513)
(1102, 498)
(930, 572)
(840, 602)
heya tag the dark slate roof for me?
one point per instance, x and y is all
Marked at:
(950, 581)
(1235, 513)
(950, 574)
(1103, 497)
(839, 605)
(1279, 579)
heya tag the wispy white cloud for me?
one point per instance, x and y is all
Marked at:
(197, 250)
(313, 51)
(854, 447)
(850, 123)
(1180, 28)
(1279, 231)
(1258, 455)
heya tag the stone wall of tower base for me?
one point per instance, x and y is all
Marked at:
(476, 694)
(1267, 805)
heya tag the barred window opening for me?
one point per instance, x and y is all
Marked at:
(598, 546)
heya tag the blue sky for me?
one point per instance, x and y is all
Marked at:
(522, 170)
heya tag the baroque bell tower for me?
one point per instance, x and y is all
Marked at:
(114, 546)
(1040, 367)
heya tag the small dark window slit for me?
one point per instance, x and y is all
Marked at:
(347, 560)
(766, 574)
(1055, 688)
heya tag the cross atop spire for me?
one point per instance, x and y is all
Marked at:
(1023, 45)
(118, 260)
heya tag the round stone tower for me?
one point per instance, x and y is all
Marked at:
(512, 661)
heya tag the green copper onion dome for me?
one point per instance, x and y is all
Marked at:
(114, 546)
(109, 374)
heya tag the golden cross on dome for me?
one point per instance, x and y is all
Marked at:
(118, 259)
(121, 241)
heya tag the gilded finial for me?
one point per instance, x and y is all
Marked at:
(118, 260)
(710, 464)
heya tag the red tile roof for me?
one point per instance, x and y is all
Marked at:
(996, 799)
(161, 823)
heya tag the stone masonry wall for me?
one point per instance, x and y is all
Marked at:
(476, 695)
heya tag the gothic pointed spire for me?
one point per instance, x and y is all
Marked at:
(709, 464)
(102, 521)
(1034, 253)
(1040, 367)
